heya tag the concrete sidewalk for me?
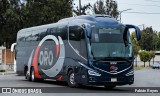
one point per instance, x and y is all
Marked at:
(7, 72)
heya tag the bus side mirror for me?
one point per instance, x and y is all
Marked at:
(13, 48)
(138, 31)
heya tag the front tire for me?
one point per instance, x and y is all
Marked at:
(71, 79)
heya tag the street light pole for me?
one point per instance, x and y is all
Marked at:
(143, 26)
(79, 6)
(120, 13)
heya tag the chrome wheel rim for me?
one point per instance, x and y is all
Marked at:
(26, 74)
(32, 76)
(72, 78)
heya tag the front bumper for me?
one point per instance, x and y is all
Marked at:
(94, 80)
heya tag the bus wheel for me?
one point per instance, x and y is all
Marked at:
(27, 76)
(70, 79)
(109, 86)
(33, 75)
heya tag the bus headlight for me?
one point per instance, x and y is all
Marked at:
(130, 73)
(93, 73)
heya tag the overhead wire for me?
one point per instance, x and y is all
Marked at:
(144, 13)
(153, 0)
(140, 4)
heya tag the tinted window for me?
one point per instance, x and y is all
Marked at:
(53, 31)
(62, 31)
(42, 35)
(58, 31)
(32, 36)
(75, 33)
(21, 37)
(107, 35)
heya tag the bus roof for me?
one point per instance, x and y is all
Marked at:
(99, 20)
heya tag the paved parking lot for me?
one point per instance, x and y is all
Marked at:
(143, 78)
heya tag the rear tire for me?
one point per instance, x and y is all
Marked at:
(109, 87)
(70, 79)
(32, 75)
(27, 76)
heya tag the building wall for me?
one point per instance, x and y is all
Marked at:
(9, 57)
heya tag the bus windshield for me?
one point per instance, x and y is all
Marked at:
(108, 42)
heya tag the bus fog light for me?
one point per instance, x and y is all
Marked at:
(130, 73)
(93, 73)
(83, 76)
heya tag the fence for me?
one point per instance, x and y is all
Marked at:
(6, 59)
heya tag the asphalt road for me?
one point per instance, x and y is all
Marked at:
(143, 78)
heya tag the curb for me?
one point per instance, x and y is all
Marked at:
(6, 73)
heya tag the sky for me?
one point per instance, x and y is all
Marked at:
(144, 6)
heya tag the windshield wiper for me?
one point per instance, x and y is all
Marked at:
(102, 59)
(122, 58)
(112, 58)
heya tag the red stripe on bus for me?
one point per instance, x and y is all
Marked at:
(59, 78)
(35, 63)
(57, 50)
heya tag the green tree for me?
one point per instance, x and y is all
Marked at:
(8, 22)
(82, 10)
(152, 53)
(40, 12)
(109, 7)
(158, 42)
(144, 56)
(151, 56)
(18, 14)
(149, 39)
(135, 45)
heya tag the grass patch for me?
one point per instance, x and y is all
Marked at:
(141, 67)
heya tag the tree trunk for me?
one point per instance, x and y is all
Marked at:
(149, 63)
(136, 61)
(144, 64)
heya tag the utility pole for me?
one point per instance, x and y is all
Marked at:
(143, 26)
(80, 7)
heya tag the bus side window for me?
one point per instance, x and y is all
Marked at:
(62, 31)
(51, 31)
(75, 33)
(48, 31)
(58, 31)
(42, 35)
(37, 37)
(21, 37)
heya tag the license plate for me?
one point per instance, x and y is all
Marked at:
(113, 79)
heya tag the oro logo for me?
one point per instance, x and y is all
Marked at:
(113, 68)
(46, 57)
